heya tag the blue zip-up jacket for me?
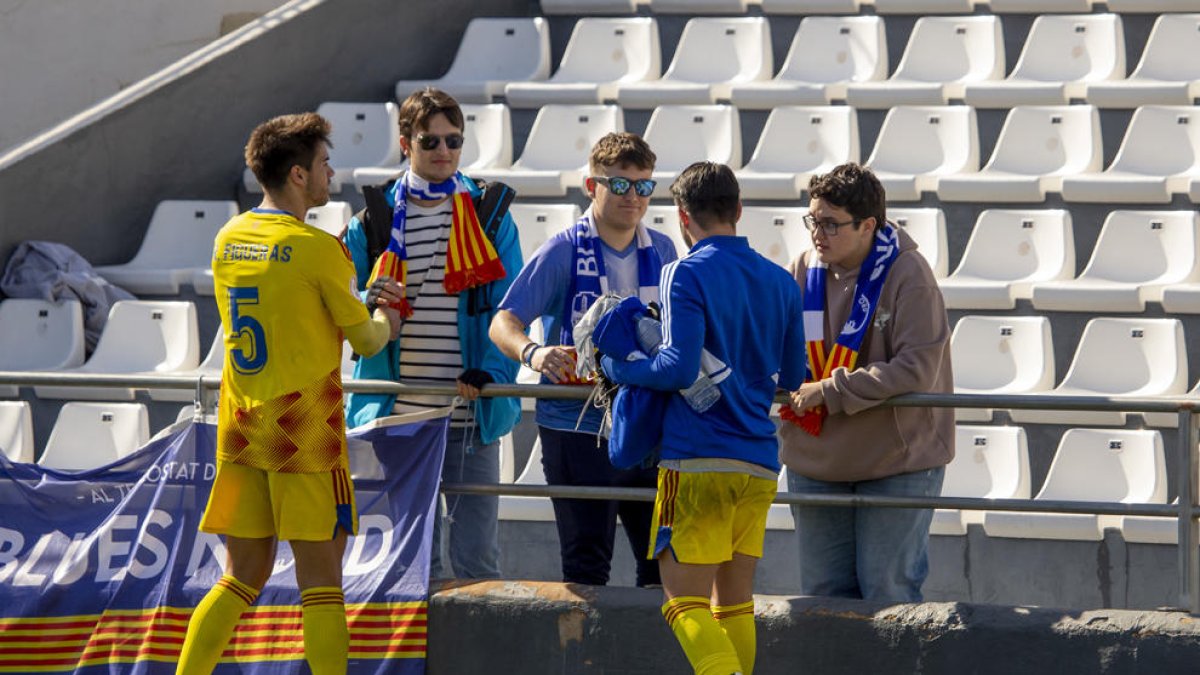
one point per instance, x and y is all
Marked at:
(746, 311)
(495, 416)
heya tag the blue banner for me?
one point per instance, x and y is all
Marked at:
(100, 570)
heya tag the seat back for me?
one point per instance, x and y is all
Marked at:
(927, 227)
(989, 463)
(214, 359)
(1141, 247)
(1010, 353)
(508, 49)
(487, 137)
(363, 134)
(533, 473)
(683, 134)
(1112, 465)
(1130, 357)
(722, 50)
(1038, 6)
(1049, 141)
(40, 335)
(181, 233)
(778, 234)
(589, 7)
(1073, 48)
(927, 140)
(332, 217)
(536, 223)
(611, 50)
(16, 431)
(562, 136)
(91, 435)
(837, 49)
(810, 6)
(797, 139)
(1169, 50)
(147, 336)
(665, 219)
(1020, 245)
(953, 49)
(1161, 140)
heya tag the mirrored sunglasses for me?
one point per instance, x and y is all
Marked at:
(644, 187)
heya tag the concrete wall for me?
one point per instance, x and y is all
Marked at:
(535, 628)
(61, 56)
(93, 181)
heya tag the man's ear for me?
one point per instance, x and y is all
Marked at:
(405, 145)
(589, 186)
(296, 175)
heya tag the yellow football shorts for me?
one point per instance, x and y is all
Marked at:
(255, 503)
(705, 517)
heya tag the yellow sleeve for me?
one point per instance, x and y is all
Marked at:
(336, 281)
(368, 337)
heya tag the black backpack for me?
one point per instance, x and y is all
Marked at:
(490, 205)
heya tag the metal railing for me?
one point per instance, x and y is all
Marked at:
(1186, 511)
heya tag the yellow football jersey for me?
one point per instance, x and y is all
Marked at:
(284, 290)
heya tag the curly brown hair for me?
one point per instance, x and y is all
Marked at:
(852, 187)
(280, 143)
(617, 148)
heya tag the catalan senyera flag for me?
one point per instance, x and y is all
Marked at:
(100, 570)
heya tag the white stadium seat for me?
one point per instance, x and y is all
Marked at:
(927, 227)
(1158, 157)
(683, 134)
(1153, 6)
(39, 335)
(332, 217)
(1000, 355)
(492, 53)
(924, 6)
(588, 7)
(556, 153)
(92, 435)
(827, 53)
(919, 144)
(698, 6)
(1038, 6)
(140, 337)
(1166, 74)
(538, 222)
(796, 143)
(779, 516)
(1119, 357)
(1103, 465)
(528, 508)
(1150, 529)
(178, 243)
(1137, 255)
(989, 463)
(210, 368)
(601, 54)
(665, 219)
(1009, 251)
(943, 55)
(778, 234)
(487, 144)
(1063, 54)
(810, 6)
(1038, 145)
(713, 55)
(364, 135)
(16, 431)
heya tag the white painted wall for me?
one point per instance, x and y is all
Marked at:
(58, 57)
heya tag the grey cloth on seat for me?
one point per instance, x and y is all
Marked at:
(55, 272)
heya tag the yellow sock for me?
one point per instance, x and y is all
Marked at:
(738, 623)
(708, 649)
(212, 625)
(326, 635)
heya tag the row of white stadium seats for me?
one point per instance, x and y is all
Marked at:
(919, 149)
(577, 7)
(1064, 57)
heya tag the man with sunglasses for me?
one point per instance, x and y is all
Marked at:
(876, 325)
(444, 338)
(610, 250)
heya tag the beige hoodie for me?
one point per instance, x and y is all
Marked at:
(907, 349)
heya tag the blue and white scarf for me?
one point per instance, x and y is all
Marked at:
(588, 281)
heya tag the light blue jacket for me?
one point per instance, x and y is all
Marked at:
(495, 416)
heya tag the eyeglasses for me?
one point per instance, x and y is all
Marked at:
(644, 187)
(829, 227)
(432, 141)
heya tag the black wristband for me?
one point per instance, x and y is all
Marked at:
(527, 353)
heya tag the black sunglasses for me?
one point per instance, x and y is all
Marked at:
(644, 187)
(431, 141)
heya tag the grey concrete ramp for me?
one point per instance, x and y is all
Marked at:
(541, 627)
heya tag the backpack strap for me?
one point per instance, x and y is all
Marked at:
(376, 219)
(491, 206)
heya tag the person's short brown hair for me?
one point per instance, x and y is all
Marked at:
(854, 188)
(423, 104)
(620, 148)
(280, 143)
(709, 193)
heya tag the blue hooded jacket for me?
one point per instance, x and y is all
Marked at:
(495, 416)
